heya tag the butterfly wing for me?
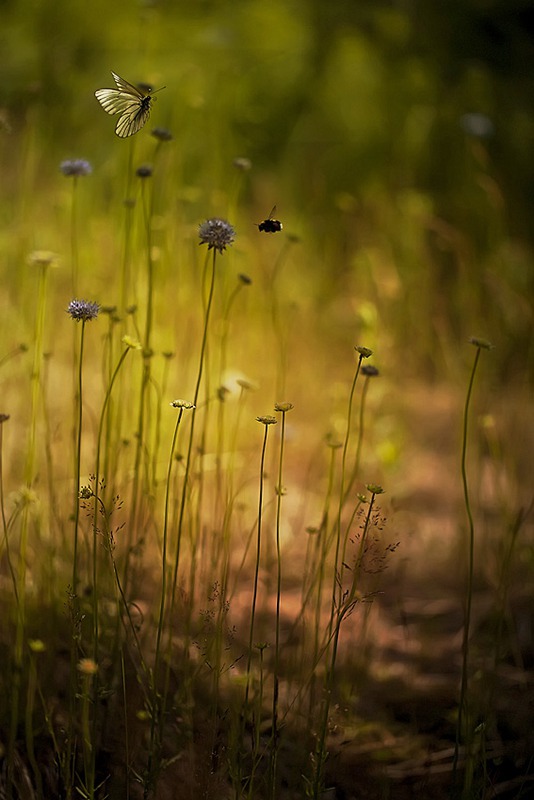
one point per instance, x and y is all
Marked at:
(114, 102)
(128, 88)
(133, 119)
(127, 100)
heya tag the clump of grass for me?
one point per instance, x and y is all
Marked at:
(42, 260)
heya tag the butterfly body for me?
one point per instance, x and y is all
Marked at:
(132, 103)
(270, 225)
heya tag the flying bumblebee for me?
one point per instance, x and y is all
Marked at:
(270, 225)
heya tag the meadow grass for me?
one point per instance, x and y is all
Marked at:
(157, 555)
(117, 631)
(191, 605)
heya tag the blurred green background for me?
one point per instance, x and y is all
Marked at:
(396, 139)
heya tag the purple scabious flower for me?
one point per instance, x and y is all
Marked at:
(83, 310)
(144, 171)
(369, 371)
(162, 135)
(75, 167)
(216, 233)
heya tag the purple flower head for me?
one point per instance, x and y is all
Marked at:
(83, 310)
(75, 167)
(216, 233)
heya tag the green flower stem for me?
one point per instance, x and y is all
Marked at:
(157, 714)
(187, 471)
(5, 524)
(188, 462)
(99, 508)
(336, 589)
(463, 721)
(283, 408)
(77, 458)
(356, 467)
(254, 601)
(74, 237)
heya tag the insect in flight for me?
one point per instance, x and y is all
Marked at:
(270, 225)
(132, 103)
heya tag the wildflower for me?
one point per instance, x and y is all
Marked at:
(333, 442)
(267, 420)
(245, 385)
(87, 666)
(132, 343)
(108, 310)
(182, 404)
(83, 310)
(242, 163)
(162, 135)
(42, 258)
(482, 344)
(216, 233)
(75, 167)
(363, 351)
(144, 171)
(283, 407)
(369, 371)
(374, 488)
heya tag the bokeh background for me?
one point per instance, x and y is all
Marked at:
(395, 139)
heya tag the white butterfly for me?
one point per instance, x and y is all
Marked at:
(131, 103)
